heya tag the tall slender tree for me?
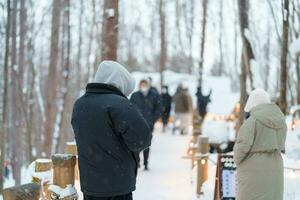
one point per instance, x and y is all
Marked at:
(247, 55)
(202, 44)
(109, 38)
(65, 74)
(15, 130)
(51, 83)
(163, 47)
(283, 58)
(4, 114)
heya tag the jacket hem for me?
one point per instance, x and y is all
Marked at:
(108, 194)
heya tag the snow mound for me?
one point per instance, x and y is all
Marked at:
(63, 192)
(218, 132)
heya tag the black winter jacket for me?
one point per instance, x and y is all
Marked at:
(108, 130)
(149, 105)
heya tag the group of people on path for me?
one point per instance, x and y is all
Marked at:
(111, 130)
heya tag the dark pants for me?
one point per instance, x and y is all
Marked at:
(165, 118)
(146, 156)
(122, 197)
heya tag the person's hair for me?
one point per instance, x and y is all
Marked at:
(144, 81)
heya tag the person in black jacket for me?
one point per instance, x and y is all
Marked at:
(166, 106)
(149, 103)
(109, 130)
(202, 102)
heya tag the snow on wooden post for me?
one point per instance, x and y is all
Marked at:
(63, 169)
(29, 191)
(42, 175)
(43, 165)
(202, 162)
(71, 148)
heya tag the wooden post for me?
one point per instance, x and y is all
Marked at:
(63, 169)
(71, 148)
(41, 166)
(196, 124)
(202, 162)
(29, 191)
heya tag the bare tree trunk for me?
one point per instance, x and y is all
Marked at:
(79, 75)
(66, 75)
(283, 58)
(221, 62)
(178, 25)
(22, 19)
(24, 78)
(266, 70)
(298, 79)
(201, 62)
(51, 84)
(90, 44)
(4, 113)
(15, 130)
(296, 13)
(109, 42)
(247, 55)
(189, 23)
(163, 48)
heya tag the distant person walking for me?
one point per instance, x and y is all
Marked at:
(149, 103)
(109, 130)
(258, 148)
(152, 88)
(183, 109)
(166, 106)
(202, 102)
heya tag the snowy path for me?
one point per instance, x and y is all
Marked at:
(169, 175)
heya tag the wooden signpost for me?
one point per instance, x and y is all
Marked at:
(225, 184)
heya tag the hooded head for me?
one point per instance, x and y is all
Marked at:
(113, 73)
(257, 97)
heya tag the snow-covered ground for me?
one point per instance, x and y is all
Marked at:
(171, 177)
(170, 174)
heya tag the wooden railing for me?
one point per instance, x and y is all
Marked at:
(53, 179)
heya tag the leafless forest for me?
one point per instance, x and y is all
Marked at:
(49, 50)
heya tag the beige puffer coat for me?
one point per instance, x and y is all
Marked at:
(263, 134)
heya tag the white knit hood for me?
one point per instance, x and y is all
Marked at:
(113, 73)
(257, 97)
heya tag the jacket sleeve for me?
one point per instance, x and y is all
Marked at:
(244, 140)
(130, 124)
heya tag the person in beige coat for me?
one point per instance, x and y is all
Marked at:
(257, 152)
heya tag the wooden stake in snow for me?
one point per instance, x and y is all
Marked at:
(42, 175)
(63, 169)
(71, 148)
(29, 191)
(202, 162)
(196, 125)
